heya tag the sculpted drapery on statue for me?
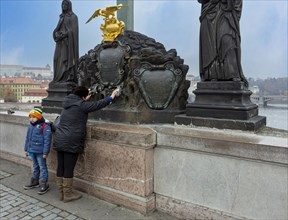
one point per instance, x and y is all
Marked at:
(67, 45)
(220, 52)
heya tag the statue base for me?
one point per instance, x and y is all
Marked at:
(56, 95)
(253, 124)
(224, 105)
(135, 116)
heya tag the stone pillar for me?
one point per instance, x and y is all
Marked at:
(56, 94)
(117, 165)
(126, 13)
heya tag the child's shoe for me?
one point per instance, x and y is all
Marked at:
(33, 184)
(44, 188)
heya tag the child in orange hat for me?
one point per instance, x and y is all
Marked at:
(37, 146)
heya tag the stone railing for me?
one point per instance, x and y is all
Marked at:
(191, 173)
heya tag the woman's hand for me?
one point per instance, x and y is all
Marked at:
(88, 96)
(115, 93)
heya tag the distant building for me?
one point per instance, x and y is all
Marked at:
(18, 86)
(44, 84)
(19, 70)
(34, 96)
(10, 70)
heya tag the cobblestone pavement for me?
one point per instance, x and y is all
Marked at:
(17, 203)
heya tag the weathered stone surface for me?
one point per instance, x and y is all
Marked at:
(124, 134)
(207, 172)
(152, 80)
(186, 210)
(56, 95)
(224, 142)
(119, 167)
(223, 105)
(253, 124)
(141, 204)
(136, 116)
(220, 182)
(221, 170)
(15, 158)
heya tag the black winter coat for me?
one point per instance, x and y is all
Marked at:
(71, 131)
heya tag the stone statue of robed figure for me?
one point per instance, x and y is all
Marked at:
(220, 53)
(66, 57)
(222, 98)
(67, 45)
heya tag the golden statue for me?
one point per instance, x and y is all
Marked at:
(111, 27)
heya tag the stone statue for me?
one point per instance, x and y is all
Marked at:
(67, 45)
(152, 79)
(220, 53)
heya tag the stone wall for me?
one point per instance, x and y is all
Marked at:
(117, 165)
(191, 173)
(220, 174)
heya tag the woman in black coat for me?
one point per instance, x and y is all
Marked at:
(70, 135)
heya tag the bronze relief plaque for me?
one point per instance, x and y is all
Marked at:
(111, 61)
(158, 84)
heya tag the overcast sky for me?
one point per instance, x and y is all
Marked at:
(27, 26)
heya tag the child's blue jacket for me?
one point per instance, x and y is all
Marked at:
(38, 140)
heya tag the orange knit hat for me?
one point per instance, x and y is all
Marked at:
(36, 112)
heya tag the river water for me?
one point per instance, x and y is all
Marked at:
(276, 115)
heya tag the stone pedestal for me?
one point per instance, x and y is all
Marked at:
(135, 116)
(224, 105)
(117, 165)
(56, 94)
